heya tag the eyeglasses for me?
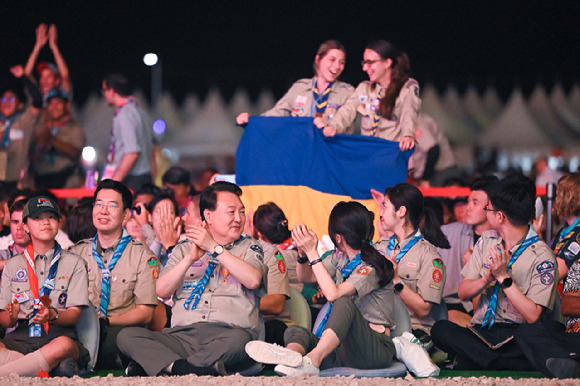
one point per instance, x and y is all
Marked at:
(111, 206)
(369, 62)
(487, 209)
(6, 99)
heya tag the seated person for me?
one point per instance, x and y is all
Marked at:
(179, 181)
(43, 292)
(515, 276)
(21, 239)
(214, 278)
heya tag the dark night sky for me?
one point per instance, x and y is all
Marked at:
(261, 44)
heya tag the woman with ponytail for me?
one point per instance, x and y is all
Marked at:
(357, 280)
(419, 271)
(388, 102)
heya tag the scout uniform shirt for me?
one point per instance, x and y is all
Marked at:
(277, 281)
(132, 279)
(533, 272)
(20, 136)
(224, 299)
(299, 100)
(70, 282)
(375, 303)
(365, 101)
(423, 271)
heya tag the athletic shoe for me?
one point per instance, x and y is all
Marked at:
(67, 368)
(563, 367)
(273, 354)
(134, 369)
(306, 368)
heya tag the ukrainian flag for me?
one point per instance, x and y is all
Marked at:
(290, 162)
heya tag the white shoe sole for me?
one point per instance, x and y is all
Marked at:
(263, 352)
(295, 371)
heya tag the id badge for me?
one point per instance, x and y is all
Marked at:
(34, 330)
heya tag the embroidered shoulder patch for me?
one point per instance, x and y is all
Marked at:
(281, 266)
(363, 271)
(545, 266)
(278, 256)
(437, 276)
(438, 263)
(153, 261)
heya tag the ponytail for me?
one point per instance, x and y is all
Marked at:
(382, 265)
(432, 229)
(400, 72)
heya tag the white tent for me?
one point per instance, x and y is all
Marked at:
(474, 106)
(560, 104)
(454, 106)
(240, 103)
(515, 128)
(189, 108)
(540, 108)
(574, 98)
(491, 101)
(167, 110)
(265, 102)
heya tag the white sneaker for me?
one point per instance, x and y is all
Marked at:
(306, 368)
(269, 353)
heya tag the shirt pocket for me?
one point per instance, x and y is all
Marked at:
(123, 283)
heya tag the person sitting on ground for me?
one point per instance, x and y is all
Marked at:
(515, 276)
(357, 279)
(43, 293)
(215, 278)
(122, 271)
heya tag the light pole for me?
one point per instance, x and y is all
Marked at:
(152, 60)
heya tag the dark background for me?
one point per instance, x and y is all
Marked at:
(270, 44)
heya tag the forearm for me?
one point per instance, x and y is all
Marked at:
(272, 304)
(168, 283)
(415, 302)
(68, 317)
(470, 288)
(245, 273)
(524, 305)
(304, 273)
(66, 148)
(29, 68)
(140, 315)
(5, 320)
(571, 304)
(125, 166)
(62, 68)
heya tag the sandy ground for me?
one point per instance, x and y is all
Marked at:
(237, 380)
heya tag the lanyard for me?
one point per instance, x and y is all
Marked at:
(5, 141)
(106, 284)
(345, 272)
(492, 306)
(48, 284)
(565, 235)
(391, 247)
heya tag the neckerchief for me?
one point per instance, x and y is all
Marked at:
(489, 317)
(48, 284)
(200, 287)
(106, 283)
(376, 116)
(345, 273)
(565, 235)
(320, 99)
(391, 247)
(288, 244)
(5, 141)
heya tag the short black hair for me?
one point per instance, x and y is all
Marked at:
(160, 197)
(208, 198)
(118, 187)
(515, 196)
(119, 83)
(176, 175)
(484, 183)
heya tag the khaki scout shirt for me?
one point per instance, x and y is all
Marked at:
(298, 101)
(374, 303)
(277, 282)
(132, 280)
(533, 272)
(20, 138)
(70, 282)
(71, 133)
(365, 100)
(423, 271)
(224, 299)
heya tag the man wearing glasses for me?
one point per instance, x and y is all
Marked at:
(122, 271)
(515, 274)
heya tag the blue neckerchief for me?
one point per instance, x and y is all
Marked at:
(391, 247)
(5, 141)
(345, 272)
(566, 231)
(106, 283)
(492, 306)
(320, 99)
(200, 287)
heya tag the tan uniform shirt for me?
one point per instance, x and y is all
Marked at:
(277, 283)
(374, 303)
(423, 271)
(70, 282)
(224, 299)
(365, 101)
(71, 133)
(533, 272)
(298, 100)
(132, 279)
(20, 137)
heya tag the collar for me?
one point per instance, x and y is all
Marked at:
(402, 244)
(100, 249)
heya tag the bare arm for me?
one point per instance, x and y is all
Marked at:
(41, 39)
(125, 166)
(562, 268)
(58, 58)
(272, 304)
(9, 316)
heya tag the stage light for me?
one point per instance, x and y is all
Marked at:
(150, 59)
(159, 126)
(89, 154)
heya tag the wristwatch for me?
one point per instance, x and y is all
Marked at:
(55, 315)
(302, 259)
(399, 287)
(507, 282)
(217, 250)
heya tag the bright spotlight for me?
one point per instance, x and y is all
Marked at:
(150, 59)
(159, 126)
(89, 154)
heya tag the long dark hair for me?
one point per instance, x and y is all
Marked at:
(271, 221)
(400, 72)
(411, 198)
(354, 222)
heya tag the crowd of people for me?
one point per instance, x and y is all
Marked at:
(186, 282)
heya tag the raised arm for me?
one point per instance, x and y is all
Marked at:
(58, 58)
(41, 39)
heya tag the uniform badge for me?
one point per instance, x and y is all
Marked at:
(547, 278)
(188, 285)
(438, 263)
(278, 256)
(281, 266)
(363, 271)
(435, 287)
(155, 273)
(437, 276)
(394, 118)
(62, 299)
(574, 247)
(21, 276)
(115, 278)
(362, 98)
(153, 261)
(412, 265)
(545, 266)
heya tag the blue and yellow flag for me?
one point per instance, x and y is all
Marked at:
(290, 162)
